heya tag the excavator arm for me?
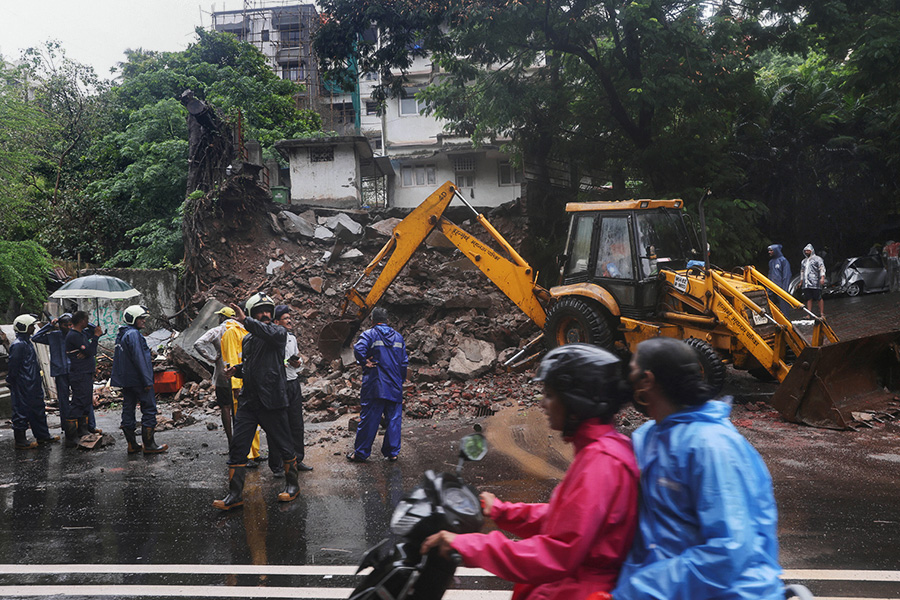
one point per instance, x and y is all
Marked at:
(512, 274)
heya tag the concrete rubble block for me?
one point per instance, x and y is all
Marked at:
(317, 283)
(276, 227)
(273, 266)
(297, 223)
(192, 369)
(352, 253)
(472, 358)
(437, 239)
(323, 233)
(344, 226)
(384, 228)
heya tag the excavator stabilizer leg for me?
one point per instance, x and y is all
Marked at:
(826, 385)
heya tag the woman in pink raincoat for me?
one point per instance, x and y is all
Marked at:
(576, 544)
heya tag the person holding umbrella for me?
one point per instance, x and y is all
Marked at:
(133, 372)
(81, 348)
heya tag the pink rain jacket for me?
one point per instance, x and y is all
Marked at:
(574, 545)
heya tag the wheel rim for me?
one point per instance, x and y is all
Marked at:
(570, 331)
(853, 290)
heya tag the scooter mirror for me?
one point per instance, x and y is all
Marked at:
(473, 447)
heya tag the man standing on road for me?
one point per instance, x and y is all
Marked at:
(779, 273)
(53, 334)
(26, 388)
(81, 348)
(133, 372)
(209, 346)
(263, 400)
(812, 278)
(292, 366)
(707, 526)
(232, 348)
(381, 352)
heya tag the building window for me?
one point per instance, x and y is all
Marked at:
(409, 107)
(323, 154)
(265, 35)
(293, 71)
(507, 174)
(417, 175)
(372, 109)
(343, 112)
(464, 164)
(369, 76)
(465, 180)
(290, 38)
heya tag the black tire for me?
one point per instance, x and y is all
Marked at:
(573, 320)
(855, 289)
(712, 365)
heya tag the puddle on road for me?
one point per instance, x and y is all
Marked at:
(525, 437)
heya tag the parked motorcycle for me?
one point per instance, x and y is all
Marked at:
(442, 501)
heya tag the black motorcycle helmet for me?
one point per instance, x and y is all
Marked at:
(588, 381)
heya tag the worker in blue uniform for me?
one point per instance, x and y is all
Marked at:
(26, 387)
(381, 352)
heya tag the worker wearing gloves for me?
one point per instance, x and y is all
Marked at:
(26, 387)
(575, 545)
(263, 400)
(707, 514)
(133, 372)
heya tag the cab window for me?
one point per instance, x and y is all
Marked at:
(580, 251)
(614, 249)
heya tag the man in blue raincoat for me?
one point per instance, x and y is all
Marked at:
(26, 387)
(133, 372)
(779, 272)
(707, 524)
(53, 334)
(381, 352)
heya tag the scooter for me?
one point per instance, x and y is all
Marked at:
(442, 501)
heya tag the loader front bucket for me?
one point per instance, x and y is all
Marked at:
(336, 337)
(826, 385)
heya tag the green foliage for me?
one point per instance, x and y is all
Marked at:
(157, 244)
(23, 274)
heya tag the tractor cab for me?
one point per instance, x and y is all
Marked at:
(621, 246)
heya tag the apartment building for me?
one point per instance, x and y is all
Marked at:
(422, 156)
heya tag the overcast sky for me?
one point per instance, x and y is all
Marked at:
(97, 32)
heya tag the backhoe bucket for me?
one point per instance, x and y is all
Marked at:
(336, 337)
(828, 384)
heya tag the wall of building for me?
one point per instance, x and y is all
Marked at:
(486, 192)
(331, 183)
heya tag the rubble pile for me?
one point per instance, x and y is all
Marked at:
(458, 326)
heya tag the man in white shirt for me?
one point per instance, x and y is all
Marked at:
(209, 346)
(292, 365)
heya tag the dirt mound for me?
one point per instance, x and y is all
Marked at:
(455, 321)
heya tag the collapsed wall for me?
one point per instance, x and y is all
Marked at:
(456, 322)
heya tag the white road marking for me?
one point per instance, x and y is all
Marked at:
(327, 572)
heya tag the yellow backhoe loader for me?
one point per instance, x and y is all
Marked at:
(632, 270)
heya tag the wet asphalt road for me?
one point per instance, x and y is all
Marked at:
(837, 494)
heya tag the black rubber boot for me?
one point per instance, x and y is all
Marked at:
(150, 445)
(70, 426)
(131, 438)
(291, 481)
(234, 499)
(22, 441)
(83, 428)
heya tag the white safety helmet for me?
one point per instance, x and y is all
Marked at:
(134, 312)
(260, 300)
(23, 322)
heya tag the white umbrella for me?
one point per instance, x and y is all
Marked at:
(96, 286)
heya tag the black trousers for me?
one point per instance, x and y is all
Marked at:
(295, 423)
(273, 421)
(82, 400)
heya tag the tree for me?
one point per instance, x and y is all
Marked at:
(24, 267)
